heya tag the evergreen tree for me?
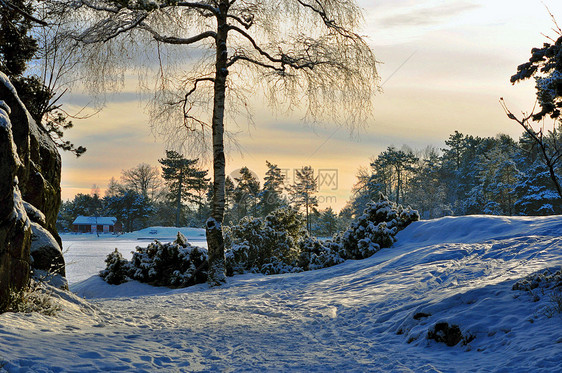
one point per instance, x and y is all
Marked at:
(17, 46)
(545, 66)
(399, 166)
(535, 192)
(199, 187)
(426, 189)
(271, 195)
(303, 191)
(458, 168)
(327, 223)
(175, 171)
(246, 194)
(129, 207)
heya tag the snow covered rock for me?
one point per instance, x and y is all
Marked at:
(46, 257)
(15, 229)
(30, 168)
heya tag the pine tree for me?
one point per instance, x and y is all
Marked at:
(246, 194)
(175, 171)
(17, 46)
(535, 193)
(129, 207)
(271, 195)
(327, 222)
(427, 189)
(303, 191)
(545, 66)
(198, 185)
(402, 163)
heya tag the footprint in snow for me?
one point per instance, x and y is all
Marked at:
(90, 355)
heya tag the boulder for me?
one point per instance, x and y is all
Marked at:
(40, 174)
(30, 168)
(15, 227)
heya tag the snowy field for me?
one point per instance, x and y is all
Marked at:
(354, 317)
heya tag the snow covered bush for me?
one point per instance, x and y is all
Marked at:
(173, 264)
(37, 297)
(451, 335)
(268, 246)
(281, 244)
(545, 283)
(116, 269)
(316, 254)
(376, 228)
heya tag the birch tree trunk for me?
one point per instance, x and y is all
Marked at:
(215, 243)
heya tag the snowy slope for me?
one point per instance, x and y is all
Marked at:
(358, 316)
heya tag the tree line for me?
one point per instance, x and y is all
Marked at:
(179, 193)
(470, 175)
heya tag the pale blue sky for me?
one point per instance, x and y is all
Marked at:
(444, 66)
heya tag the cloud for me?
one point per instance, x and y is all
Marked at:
(425, 15)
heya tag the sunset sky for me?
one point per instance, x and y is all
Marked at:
(444, 66)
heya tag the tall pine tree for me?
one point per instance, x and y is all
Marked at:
(271, 195)
(303, 192)
(176, 169)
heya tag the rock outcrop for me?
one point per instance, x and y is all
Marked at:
(15, 227)
(30, 168)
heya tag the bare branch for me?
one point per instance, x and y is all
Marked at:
(283, 60)
(176, 40)
(22, 12)
(110, 28)
(201, 6)
(247, 22)
(93, 6)
(239, 57)
(330, 23)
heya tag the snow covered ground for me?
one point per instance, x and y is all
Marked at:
(358, 316)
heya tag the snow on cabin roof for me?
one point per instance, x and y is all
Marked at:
(91, 220)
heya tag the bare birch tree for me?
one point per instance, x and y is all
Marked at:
(301, 53)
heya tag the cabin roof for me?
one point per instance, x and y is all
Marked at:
(93, 220)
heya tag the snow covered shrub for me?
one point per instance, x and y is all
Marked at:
(548, 278)
(37, 297)
(267, 246)
(547, 282)
(316, 254)
(451, 335)
(173, 264)
(116, 269)
(376, 228)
